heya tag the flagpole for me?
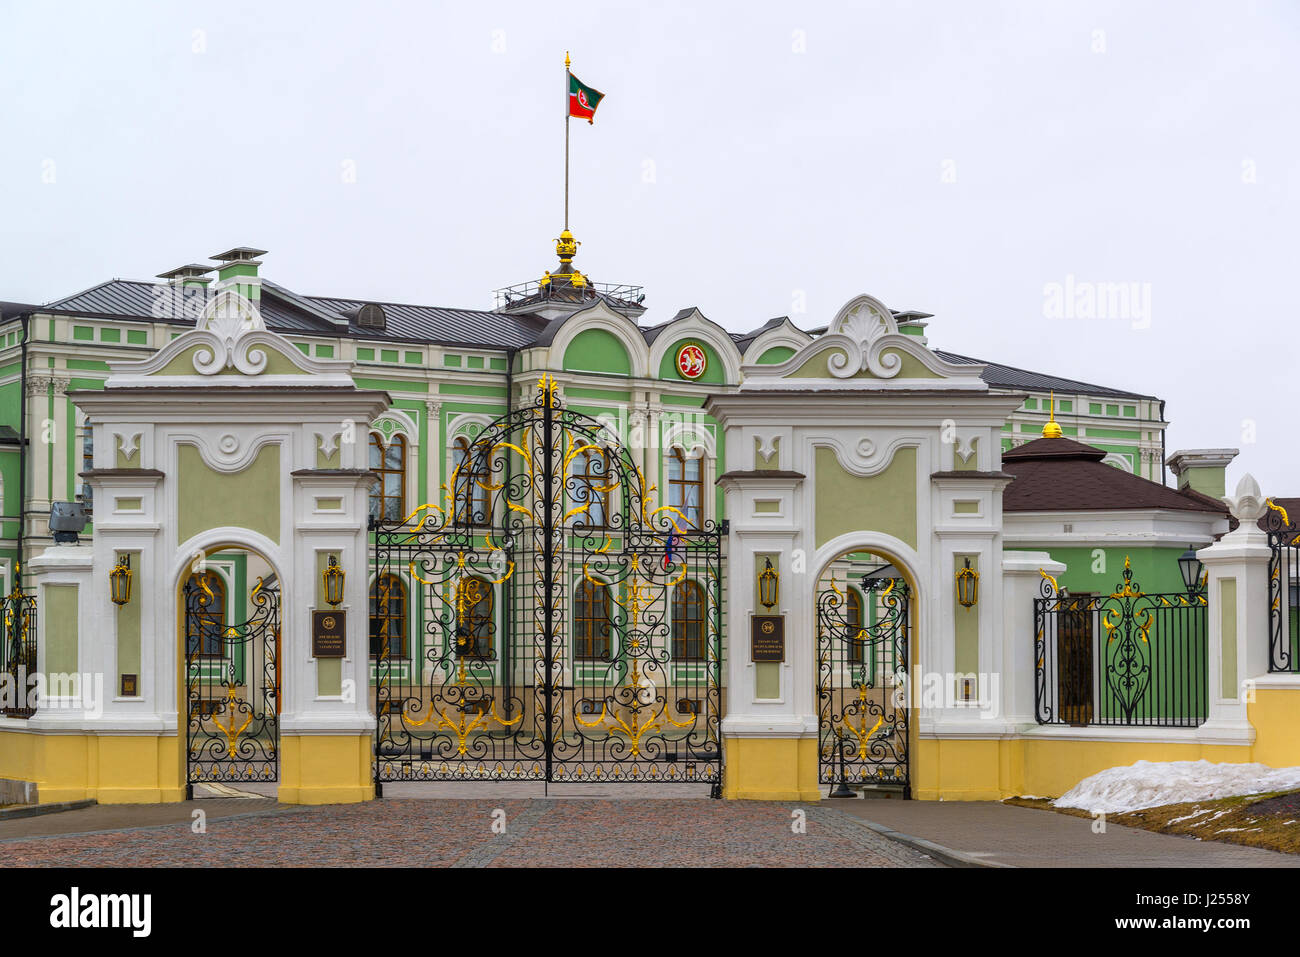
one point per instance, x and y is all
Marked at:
(566, 139)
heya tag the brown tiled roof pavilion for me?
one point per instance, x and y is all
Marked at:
(1061, 475)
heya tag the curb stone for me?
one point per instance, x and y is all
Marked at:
(938, 851)
(36, 810)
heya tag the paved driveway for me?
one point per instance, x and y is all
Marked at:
(450, 832)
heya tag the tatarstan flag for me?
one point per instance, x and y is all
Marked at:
(583, 100)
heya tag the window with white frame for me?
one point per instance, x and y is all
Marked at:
(388, 461)
(686, 487)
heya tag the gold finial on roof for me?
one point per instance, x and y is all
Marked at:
(1051, 430)
(566, 247)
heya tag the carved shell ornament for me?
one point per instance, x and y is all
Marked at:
(857, 333)
(227, 320)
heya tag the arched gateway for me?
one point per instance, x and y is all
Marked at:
(864, 470)
(228, 477)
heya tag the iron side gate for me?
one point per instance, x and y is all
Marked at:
(545, 619)
(1283, 589)
(862, 647)
(232, 679)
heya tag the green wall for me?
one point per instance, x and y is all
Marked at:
(210, 499)
(885, 502)
(713, 370)
(597, 350)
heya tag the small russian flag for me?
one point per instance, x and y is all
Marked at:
(669, 548)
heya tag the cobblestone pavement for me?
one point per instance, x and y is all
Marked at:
(458, 833)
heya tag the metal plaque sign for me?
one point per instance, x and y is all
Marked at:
(767, 638)
(328, 634)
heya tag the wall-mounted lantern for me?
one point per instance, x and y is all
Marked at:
(119, 581)
(333, 577)
(968, 586)
(1191, 569)
(769, 586)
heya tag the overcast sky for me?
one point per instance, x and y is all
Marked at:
(752, 159)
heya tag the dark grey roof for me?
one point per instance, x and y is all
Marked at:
(1009, 377)
(651, 333)
(12, 310)
(286, 311)
(476, 327)
(743, 339)
(289, 312)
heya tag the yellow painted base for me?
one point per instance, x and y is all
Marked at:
(1275, 713)
(111, 769)
(325, 769)
(336, 769)
(770, 769)
(990, 770)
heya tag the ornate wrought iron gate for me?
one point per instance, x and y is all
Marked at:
(862, 648)
(1127, 658)
(18, 651)
(1283, 589)
(232, 677)
(546, 619)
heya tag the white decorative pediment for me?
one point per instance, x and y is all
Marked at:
(856, 330)
(228, 319)
(863, 349)
(230, 340)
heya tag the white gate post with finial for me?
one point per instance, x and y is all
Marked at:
(1237, 618)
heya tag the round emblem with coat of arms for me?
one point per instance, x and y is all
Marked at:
(691, 361)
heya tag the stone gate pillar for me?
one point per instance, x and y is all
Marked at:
(1247, 704)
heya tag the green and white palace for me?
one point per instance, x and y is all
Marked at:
(256, 538)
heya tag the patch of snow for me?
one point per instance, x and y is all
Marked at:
(1153, 783)
(1187, 817)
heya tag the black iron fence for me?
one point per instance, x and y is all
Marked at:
(1126, 658)
(18, 654)
(1283, 590)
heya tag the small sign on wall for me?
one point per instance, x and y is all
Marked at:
(328, 634)
(767, 638)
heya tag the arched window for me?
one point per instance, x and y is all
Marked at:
(688, 622)
(853, 623)
(686, 487)
(473, 475)
(590, 487)
(591, 621)
(475, 627)
(389, 463)
(203, 631)
(388, 617)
